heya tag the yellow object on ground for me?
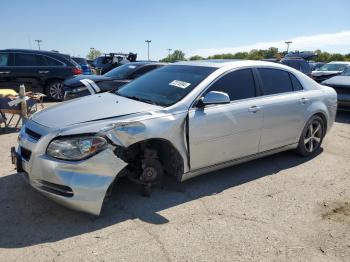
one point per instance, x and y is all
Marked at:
(8, 92)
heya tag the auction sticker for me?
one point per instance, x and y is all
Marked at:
(180, 84)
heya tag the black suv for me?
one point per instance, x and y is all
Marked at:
(39, 71)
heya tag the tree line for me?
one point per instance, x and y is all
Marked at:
(255, 54)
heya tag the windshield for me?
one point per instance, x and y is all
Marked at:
(80, 61)
(167, 85)
(346, 72)
(332, 67)
(121, 72)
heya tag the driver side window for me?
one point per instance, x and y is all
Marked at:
(238, 84)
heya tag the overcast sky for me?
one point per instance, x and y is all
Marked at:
(200, 27)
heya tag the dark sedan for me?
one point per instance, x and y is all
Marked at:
(86, 85)
(341, 84)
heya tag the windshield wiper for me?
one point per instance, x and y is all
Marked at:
(148, 101)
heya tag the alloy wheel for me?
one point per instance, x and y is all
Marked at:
(313, 136)
(56, 91)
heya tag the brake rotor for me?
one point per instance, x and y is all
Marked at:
(152, 171)
(149, 174)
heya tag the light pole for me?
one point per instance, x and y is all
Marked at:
(288, 43)
(148, 41)
(38, 41)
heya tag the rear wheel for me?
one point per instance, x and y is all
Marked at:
(311, 137)
(54, 90)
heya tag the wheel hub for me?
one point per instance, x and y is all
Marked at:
(313, 136)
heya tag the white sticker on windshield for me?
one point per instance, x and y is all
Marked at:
(180, 84)
(132, 66)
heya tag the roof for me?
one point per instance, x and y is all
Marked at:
(209, 63)
(340, 62)
(229, 62)
(32, 51)
(146, 63)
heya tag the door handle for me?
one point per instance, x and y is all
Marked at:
(304, 100)
(254, 109)
(5, 72)
(43, 72)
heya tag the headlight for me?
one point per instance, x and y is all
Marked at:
(76, 148)
(79, 89)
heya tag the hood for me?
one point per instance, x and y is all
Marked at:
(90, 108)
(75, 81)
(324, 73)
(338, 81)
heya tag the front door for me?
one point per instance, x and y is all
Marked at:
(219, 133)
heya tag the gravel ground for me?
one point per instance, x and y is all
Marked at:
(279, 208)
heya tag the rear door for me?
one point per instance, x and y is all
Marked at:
(29, 70)
(7, 80)
(219, 133)
(284, 104)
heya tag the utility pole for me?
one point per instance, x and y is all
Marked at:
(148, 41)
(288, 43)
(38, 41)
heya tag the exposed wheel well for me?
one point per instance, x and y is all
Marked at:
(168, 155)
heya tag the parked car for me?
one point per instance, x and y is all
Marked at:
(181, 120)
(329, 70)
(82, 85)
(341, 85)
(85, 67)
(307, 55)
(39, 71)
(297, 63)
(107, 62)
(315, 65)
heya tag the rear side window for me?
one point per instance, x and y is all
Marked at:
(52, 62)
(29, 60)
(4, 59)
(237, 84)
(296, 84)
(275, 81)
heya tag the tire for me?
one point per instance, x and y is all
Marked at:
(312, 136)
(54, 90)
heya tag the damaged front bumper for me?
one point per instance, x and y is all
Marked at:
(79, 185)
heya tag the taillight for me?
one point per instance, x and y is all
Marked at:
(77, 71)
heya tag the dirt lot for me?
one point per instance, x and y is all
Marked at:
(280, 208)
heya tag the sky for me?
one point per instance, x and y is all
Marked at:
(197, 27)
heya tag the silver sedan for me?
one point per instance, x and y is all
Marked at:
(181, 120)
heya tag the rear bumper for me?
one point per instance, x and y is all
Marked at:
(344, 101)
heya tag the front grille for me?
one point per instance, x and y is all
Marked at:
(25, 153)
(32, 134)
(55, 188)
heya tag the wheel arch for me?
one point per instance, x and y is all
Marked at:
(168, 154)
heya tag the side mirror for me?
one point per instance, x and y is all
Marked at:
(214, 98)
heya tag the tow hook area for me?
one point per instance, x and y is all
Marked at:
(150, 173)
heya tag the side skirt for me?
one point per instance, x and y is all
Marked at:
(200, 171)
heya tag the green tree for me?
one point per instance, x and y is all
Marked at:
(273, 52)
(177, 55)
(94, 53)
(196, 57)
